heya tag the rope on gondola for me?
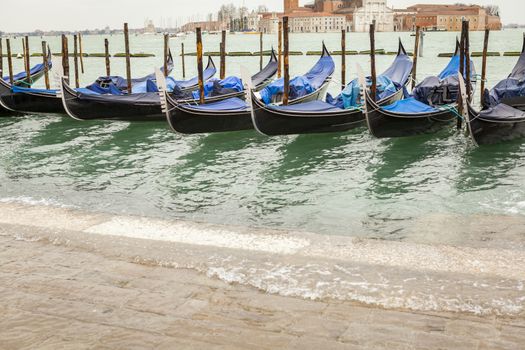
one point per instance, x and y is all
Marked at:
(453, 110)
(23, 82)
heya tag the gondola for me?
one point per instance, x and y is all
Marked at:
(510, 91)
(35, 73)
(259, 81)
(49, 101)
(495, 124)
(408, 117)
(135, 107)
(234, 114)
(121, 83)
(501, 118)
(322, 117)
(21, 81)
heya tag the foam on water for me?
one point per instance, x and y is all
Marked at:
(387, 274)
(200, 234)
(36, 201)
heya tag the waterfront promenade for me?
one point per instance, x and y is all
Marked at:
(64, 284)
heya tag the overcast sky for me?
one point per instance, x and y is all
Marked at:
(78, 14)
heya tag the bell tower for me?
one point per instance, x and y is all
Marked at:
(290, 5)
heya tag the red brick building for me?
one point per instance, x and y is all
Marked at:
(445, 18)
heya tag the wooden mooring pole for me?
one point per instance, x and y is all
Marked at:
(260, 51)
(1, 58)
(81, 53)
(343, 59)
(416, 54)
(9, 61)
(75, 59)
(65, 57)
(106, 54)
(286, 65)
(46, 64)
(27, 60)
(373, 89)
(183, 61)
(467, 61)
(128, 57)
(484, 64)
(199, 65)
(223, 55)
(166, 53)
(280, 51)
(462, 72)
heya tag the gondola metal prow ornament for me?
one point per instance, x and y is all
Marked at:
(362, 88)
(161, 85)
(248, 87)
(58, 73)
(464, 100)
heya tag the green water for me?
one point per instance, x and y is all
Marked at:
(347, 183)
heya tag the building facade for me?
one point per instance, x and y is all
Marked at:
(291, 6)
(373, 10)
(449, 17)
(318, 22)
(269, 23)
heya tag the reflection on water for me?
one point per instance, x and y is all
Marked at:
(491, 166)
(347, 183)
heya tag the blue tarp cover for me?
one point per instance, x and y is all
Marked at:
(350, 95)
(502, 113)
(513, 86)
(312, 106)
(18, 89)
(230, 104)
(212, 87)
(208, 73)
(400, 70)
(111, 89)
(388, 83)
(505, 89)
(409, 106)
(150, 84)
(453, 68)
(299, 86)
(22, 75)
(302, 85)
(323, 69)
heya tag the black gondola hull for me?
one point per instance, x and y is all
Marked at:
(273, 123)
(485, 132)
(33, 103)
(269, 123)
(383, 124)
(186, 121)
(87, 108)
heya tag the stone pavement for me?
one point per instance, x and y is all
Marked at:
(60, 297)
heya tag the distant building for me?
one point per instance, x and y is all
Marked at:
(445, 18)
(291, 6)
(404, 20)
(374, 10)
(317, 22)
(149, 27)
(209, 26)
(253, 20)
(269, 23)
